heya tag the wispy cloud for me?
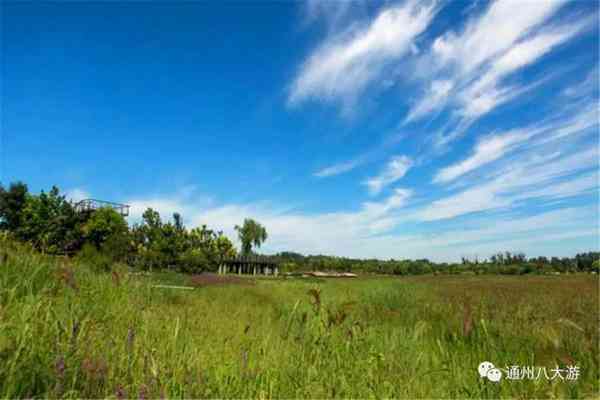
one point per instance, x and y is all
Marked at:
(334, 13)
(488, 149)
(494, 146)
(525, 177)
(492, 33)
(587, 87)
(486, 92)
(467, 70)
(337, 169)
(395, 169)
(435, 97)
(344, 65)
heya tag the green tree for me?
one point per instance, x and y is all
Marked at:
(104, 224)
(12, 202)
(596, 266)
(50, 223)
(251, 233)
(223, 248)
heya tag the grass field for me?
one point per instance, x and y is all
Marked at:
(66, 331)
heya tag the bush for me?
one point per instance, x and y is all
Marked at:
(117, 247)
(94, 258)
(193, 261)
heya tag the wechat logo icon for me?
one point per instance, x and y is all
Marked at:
(488, 370)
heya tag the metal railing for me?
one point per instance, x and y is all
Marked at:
(88, 205)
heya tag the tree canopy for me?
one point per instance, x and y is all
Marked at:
(251, 233)
(50, 223)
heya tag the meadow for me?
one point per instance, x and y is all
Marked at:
(69, 331)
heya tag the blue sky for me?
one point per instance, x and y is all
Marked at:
(397, 129)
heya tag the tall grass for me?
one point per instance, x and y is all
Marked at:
(68, 331)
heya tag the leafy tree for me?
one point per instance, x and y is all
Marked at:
(223, 248)
(251, 233)
(596, 266)
(50, 223)
(12, 202)
(104, 224)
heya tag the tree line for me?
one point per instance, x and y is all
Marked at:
(501, 263)
(52, 224)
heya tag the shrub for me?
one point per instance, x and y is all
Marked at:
(193, 261)
(94, 258)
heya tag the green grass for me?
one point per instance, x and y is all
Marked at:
(66, 331)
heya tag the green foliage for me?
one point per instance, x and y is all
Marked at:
(12, 202)
(171, 245)
(503, 263)
(251, 233)
(49, 222)
(105, 224)
(91, 256)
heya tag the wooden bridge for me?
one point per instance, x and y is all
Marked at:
(90, 205)
(250, 265)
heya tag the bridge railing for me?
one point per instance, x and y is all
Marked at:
(88, 205)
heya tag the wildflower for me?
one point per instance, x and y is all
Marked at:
(95, 369)
(130, 339)
(316, 295)
(143, 392)
(74, 334)
(59, 369)
(336, 318)
(120, 393)
(116, 278)
(68, 277)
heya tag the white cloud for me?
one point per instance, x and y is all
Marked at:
(494, 32)
(585, 183)
(77, 194)
(435, 97)
(474, 63)
(485, 93)
(344, 65)
(495, 146)
(395, 169)
(337, 169)
(523, 54)
(584, 119)
(471, 200)
(585, 88)
(287, 230)
(396, 200)
(524, 177)
(538, 234)
(488, 149)
(367, 232)
(334, 13)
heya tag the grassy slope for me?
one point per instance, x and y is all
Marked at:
(68, 332)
